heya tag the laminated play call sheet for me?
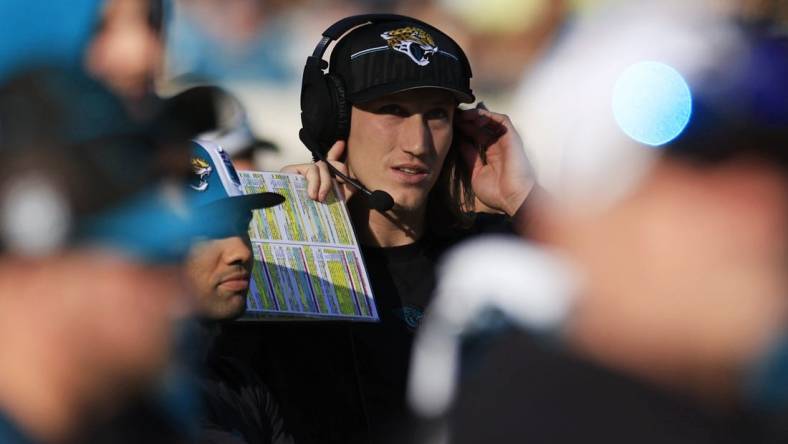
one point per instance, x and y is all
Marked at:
(307, 259)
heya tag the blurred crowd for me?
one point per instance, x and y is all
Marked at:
(672, 260)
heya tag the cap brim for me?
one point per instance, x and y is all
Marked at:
(247, 202)
(259, 200)
(152, 228)
(384, 90)
(221, 218)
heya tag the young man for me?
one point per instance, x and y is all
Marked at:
(406, 137)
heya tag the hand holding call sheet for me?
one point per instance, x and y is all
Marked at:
(308, 263)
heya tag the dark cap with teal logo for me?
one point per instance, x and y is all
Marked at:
(388, 57)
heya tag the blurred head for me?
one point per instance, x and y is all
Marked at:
(404, 81)
(127, 49)
(115, 314)
(92, 238)
(221, 118)
(220, 260)
(740, 112)
(686, 278)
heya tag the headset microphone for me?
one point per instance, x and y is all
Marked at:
(377, 200)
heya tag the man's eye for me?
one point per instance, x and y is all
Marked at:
(437, 113)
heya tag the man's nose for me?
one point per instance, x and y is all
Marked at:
(416, 137)
(237, 251)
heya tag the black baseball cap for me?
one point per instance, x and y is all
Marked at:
(392, 56)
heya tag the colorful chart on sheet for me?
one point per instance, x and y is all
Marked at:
(307, 260)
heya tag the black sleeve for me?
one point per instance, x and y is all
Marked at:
(276, 423)
(236, 400)
(486, 223)
(210, 435)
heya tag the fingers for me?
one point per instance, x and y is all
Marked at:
(318, 178)
(324, 182)
(318, 175)
(483, 126)
(312, 175)
(341, 167)
(501, 119)
(319, 182)
(335, 158)
(472, 116)
(336, 151)
(481, 117)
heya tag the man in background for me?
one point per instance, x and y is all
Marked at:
(237, 405)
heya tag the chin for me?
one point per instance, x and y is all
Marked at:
(407, 202)
(237, 312)
(227, 309)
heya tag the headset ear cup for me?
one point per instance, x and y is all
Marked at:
(341, 109)
(317, 115)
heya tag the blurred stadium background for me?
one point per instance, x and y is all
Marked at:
(549, 64)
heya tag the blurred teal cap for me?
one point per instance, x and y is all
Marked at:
(216, 195)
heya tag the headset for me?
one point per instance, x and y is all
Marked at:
(325, 108)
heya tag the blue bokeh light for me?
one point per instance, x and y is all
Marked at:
(652, 103)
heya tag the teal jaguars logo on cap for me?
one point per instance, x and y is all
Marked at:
(212, 176)
(201, 170)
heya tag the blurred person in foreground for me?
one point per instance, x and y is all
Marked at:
(237, 405)
(92, 237)
(678, 330)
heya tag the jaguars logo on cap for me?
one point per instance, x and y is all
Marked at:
(201, 169)
(416, 43)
